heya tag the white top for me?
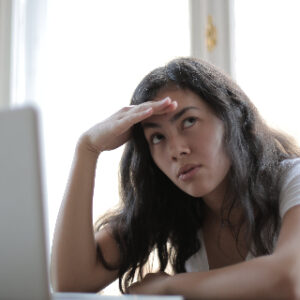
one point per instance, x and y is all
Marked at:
(289, 197)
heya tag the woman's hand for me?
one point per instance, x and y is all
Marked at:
(115, 131)
(152, 284)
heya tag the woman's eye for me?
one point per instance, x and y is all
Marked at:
(189, 122)
(156, 138)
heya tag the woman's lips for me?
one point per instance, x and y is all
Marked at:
(188, 174)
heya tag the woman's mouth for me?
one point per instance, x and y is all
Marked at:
(188, 172)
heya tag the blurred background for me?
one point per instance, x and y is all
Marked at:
(80, 60)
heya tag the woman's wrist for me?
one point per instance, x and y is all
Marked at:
(84, 148)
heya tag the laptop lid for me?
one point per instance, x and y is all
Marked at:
(23, 250)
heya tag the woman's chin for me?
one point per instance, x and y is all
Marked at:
(194, 193)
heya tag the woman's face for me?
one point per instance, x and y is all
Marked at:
(187, 144)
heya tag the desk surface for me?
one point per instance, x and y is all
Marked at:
(85, 296)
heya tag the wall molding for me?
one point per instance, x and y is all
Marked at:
(212, 32)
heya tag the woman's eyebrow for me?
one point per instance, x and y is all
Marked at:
(172, 120)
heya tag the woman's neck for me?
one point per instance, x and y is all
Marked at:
(214, 200)
(218, 209)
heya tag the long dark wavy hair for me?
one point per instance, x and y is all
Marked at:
(154, 214)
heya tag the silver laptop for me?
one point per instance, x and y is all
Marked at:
(23, 225)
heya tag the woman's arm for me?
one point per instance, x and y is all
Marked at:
(74, 264)
(275, 276)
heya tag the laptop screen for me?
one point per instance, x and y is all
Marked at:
(23, 254)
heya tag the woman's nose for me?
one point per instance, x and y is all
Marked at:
(178, 148)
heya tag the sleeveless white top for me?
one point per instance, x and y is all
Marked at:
(289, 197)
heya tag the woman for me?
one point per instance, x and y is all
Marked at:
(204, 182)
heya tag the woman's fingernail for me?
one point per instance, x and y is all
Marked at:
(167, 99)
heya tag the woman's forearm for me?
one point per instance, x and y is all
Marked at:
(260, 278)
(74, 251)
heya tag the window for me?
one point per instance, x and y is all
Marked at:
(267, 59)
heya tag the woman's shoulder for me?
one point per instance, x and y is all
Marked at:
(291, 168)
(291, 161)
(290, 185)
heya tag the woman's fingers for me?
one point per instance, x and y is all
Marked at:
(128, 120)
(158, 106)
(164, 106)
(138, 113)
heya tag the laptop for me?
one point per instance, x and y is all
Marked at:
(24, 253)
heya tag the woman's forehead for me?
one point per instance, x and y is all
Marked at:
(186, 100)
(183, 97)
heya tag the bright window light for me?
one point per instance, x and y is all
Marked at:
(267, 59)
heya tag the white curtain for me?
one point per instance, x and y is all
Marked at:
(5, 52)
(22, 27)
(34, 33)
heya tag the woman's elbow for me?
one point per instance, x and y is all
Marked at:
(61, 286)
(65, 287)
(61, 283)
